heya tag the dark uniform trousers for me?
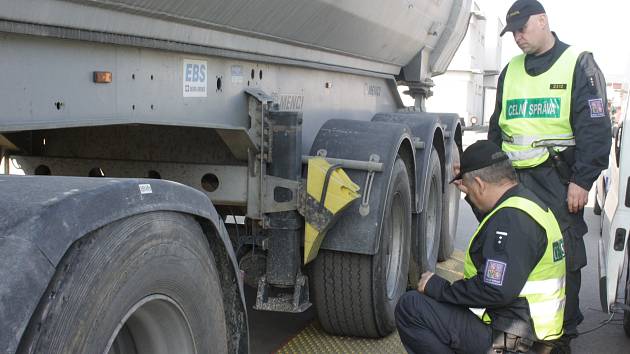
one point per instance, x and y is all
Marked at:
(426, 325)
(429, 326)
(544, 181)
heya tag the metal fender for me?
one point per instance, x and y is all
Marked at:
(359, 227)
(42, 216)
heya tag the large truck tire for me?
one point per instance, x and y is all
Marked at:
(450, 211)
(354, 294)
(145, 284)
(431, 217)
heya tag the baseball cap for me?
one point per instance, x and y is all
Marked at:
(481, 154)
(519, 13)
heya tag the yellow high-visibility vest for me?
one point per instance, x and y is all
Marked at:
(536, 110)
(545, 286)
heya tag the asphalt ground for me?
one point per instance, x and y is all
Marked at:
(271, 331)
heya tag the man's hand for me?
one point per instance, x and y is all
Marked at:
(458, 183)
(577, 197)
(424, 278)
(460, 186)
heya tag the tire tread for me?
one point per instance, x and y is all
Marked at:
(346, 301)
(348, 287)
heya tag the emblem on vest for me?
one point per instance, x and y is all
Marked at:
(558, 250)
(557, 86)
(545, 107)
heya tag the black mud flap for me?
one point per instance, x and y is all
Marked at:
(358, 229)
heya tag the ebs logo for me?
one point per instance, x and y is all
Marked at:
(195, 77)
(195, 72)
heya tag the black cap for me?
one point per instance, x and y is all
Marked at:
(481, 154)
(519, 13)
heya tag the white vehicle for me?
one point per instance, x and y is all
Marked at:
(613, 203)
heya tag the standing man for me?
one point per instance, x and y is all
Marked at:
(552, 121)
(513, 292)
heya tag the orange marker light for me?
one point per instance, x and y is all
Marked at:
(102, 77)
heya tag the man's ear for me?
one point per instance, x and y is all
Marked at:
(543, 21)
(480, 184)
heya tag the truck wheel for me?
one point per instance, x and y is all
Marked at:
(450, 210)
(431, 218)
(354, 294)
(145, 284)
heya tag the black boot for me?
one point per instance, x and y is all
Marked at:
(562, 345)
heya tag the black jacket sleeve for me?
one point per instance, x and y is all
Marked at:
(494, 132)
(592, 131)
(519, 250)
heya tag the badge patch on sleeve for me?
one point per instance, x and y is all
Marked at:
(597, 108)
(495, 271)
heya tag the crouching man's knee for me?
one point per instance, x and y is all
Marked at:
(409, 308)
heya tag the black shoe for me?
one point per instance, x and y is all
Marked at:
(562, 345)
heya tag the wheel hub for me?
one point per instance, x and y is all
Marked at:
(155, 324)
(394, 252)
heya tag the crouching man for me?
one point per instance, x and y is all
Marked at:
(513, 292)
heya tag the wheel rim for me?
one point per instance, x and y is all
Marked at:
(396, 227)
(453, 208)
(155, 324)
(432, 213)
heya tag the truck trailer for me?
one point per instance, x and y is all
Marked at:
(175, 151)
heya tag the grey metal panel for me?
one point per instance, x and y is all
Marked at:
(232, 180)
(39, 72)
(337, 25)
(378, 36)
(454, 33)
(169, 45)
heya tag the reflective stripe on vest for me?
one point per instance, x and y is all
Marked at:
(542, 286)
(536, 110)
(545, 286)
(544, 140)
(530, 154)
